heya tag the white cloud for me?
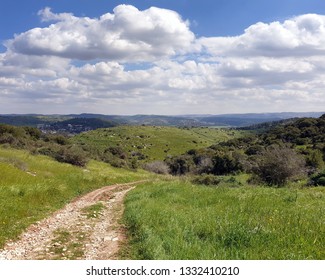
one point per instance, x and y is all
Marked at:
(299, 36)
(126, 35)
(133, 61)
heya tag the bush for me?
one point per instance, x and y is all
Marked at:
(315, 159)
(226, 164)
(276, 165)
(117, 151)
(206, 179)
(180, 165)
(318, 179)
(158, 167)
(204, 164)
(73, 155)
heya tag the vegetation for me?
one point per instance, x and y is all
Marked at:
(32, 187)
(120, 145)
(284, 153)
(224, 194)
(178, 220)
(277, 165)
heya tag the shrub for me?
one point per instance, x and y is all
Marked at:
(315, 159)
(204, 165)
(225, 164)
(276, 165)
(206, 179)
(73, 155)
(117, 151)
(118, 163)
(158, 167)
(318, 179)
(180, 165)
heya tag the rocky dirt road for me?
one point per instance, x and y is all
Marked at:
(87, 228)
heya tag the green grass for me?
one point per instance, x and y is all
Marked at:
(32, 187)
(178, 220)
(93, 211)
(154, 141)
(66, 245)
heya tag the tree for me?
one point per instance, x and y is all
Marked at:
(277, 165)
(180, 165)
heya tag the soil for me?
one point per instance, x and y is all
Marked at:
(88, 228)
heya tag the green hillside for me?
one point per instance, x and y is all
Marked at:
(153, 142)
(32, 187)
(178, 220)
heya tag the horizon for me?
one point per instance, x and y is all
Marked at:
(164, 115)
(164, 58)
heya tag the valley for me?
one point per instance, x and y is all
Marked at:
(239, 194)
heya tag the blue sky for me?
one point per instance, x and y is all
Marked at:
(208, 56)
(213, 17)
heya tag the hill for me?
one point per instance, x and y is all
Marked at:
(224, 120)
(33, 186)
(148, 143)
(76, 125)
(239, 120)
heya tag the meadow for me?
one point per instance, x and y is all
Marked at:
(32, 187)
(178, 220)
(170, 217)
(155, 142)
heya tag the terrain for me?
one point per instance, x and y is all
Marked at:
(150, 143)
(87, 228)
(252, 194)
(76, 123)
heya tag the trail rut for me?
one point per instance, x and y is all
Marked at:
(86, 228)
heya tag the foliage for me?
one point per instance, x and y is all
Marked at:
(276, 165)
(180, 165)
(318, 179)
(157, 166)
(207, 179)
(150, 143)
(177, 220)
(32, 187)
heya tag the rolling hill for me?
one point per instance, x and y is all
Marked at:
(223, 120)
(152, 142)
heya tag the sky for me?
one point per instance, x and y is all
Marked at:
(161, 56)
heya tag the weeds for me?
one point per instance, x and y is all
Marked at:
(93, 211)
(177, 220)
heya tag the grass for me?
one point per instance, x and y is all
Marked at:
(32, 187)
(153, 141)
(66, 245)
(93, 211)
(178, 220)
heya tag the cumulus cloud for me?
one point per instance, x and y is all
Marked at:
(127, 34)
(131, 61)
(299, 36)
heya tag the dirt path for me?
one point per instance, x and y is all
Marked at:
(87, 228)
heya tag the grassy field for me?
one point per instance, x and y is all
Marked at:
(178, 220)
(154, 142)
(31, 187)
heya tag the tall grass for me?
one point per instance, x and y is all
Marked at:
(177, 220)
(31, 187)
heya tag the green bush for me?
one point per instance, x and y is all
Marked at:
(318, 179)
(207, 179)
(180, 165)
(73, 155)
(277, 165)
